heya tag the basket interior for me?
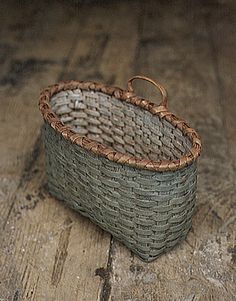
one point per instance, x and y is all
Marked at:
(126, 128)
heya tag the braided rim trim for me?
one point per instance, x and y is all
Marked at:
(108, 152)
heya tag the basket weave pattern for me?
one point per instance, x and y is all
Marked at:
(133, 190)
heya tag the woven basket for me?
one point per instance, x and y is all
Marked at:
(124, 162)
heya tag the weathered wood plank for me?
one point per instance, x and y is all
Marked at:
(106, 50)
(221, 19)
(174, 46)
(51, 252)
(43, 251)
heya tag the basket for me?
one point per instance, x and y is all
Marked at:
(126, 163)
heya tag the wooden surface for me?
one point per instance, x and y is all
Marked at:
(49, 252)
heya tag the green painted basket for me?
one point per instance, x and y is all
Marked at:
(124, 162)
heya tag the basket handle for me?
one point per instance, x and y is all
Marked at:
(156, 84)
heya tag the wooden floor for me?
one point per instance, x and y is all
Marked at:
(47, 251)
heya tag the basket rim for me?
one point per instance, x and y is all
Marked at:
(108, 152)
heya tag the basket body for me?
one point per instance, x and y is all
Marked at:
(148, 210)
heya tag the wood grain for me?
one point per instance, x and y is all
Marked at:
(49, 252)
